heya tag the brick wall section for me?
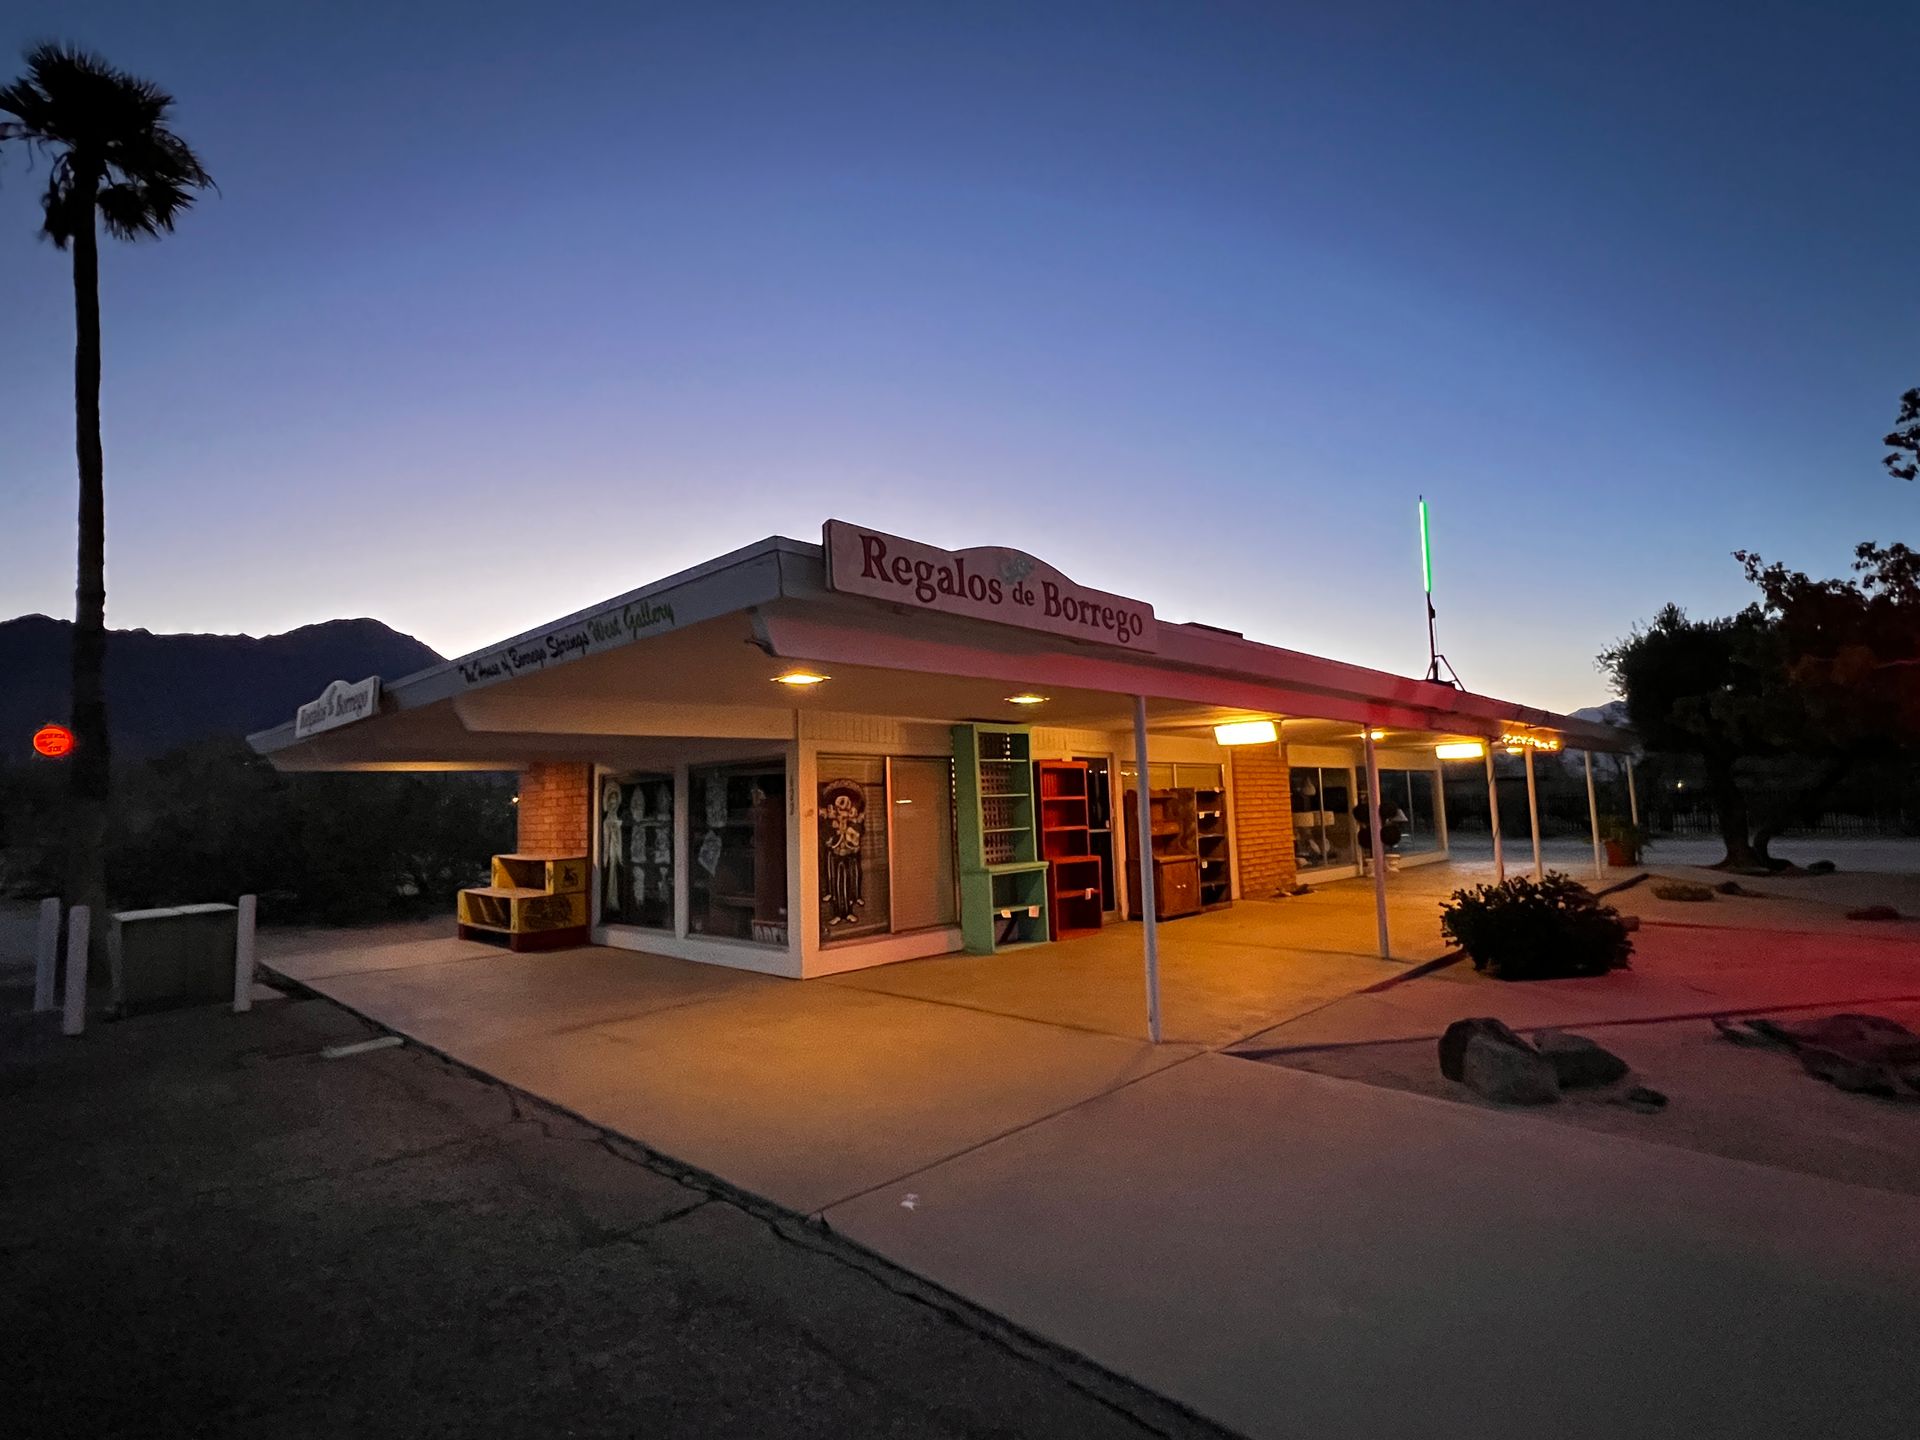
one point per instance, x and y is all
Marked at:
(1263, 820)
(554, 809)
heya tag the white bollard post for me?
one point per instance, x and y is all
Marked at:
(243, 955)
(46, 956)
(73, 1016)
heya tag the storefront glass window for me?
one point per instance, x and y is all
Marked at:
(1323, 827)
(886, 845)
(853, 846)
(636, 851)
(737, 838)
(1410, 810)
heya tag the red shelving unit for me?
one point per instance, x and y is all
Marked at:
(1066, 844)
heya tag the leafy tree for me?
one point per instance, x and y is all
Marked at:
(1822, 676)
(114, 161)
(1711, 688)
(1905, 439)
(1851, 647)
(213, 821)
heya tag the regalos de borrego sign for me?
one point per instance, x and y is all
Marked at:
(987, 583)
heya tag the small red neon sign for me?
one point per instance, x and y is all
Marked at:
(53, 741)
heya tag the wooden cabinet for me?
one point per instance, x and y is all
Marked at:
(1074, 905)
(1210, 826)
(1178, 891)
(1174, 843)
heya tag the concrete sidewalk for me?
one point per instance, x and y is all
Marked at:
(1295, 1255)
(1288, 1253)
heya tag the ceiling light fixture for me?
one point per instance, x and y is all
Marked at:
(1026, 699)
(1459, 750)
(799, 677)
(1247, 732)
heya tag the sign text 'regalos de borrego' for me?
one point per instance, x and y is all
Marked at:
(341, 703)
(987, 583)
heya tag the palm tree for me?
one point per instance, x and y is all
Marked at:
(112, 156)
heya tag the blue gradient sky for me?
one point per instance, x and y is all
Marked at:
(507, 308)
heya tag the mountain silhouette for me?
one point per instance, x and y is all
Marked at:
(169, 690)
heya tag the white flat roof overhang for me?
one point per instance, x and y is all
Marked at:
(737, 621)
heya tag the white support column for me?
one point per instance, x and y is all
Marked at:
(1593, 820)
(1376, 845)
(1633, 800)
(243, 954)
(46, 955)
(1493, 813)
(1533, 818)
(73, 1015)
(1149, 900)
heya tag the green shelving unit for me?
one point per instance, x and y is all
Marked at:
(1003, 878)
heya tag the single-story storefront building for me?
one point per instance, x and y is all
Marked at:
(809, 758)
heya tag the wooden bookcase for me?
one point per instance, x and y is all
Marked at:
(1210, 829)
(1066, 844)
(1175, 849)
(1003, 877)
(536, 902)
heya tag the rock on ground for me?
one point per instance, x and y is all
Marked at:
(1578, 1061)
(1488, 1058)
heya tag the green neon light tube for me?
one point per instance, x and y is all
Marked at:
(1426, 549)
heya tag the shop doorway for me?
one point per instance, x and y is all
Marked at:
(1100, 823)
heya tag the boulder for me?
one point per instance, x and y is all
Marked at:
(1642, 1099)
(1866, 1053)
(1874, 912)
(1849, 1072)
(1453, 1044)
(1577, 1061)
(1507, 1070)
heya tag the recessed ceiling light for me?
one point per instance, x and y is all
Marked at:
(800, 677)
(1026, 699)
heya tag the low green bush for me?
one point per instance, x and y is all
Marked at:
(1523, 929)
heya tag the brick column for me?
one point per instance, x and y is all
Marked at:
(1263, 820)
(555, 805)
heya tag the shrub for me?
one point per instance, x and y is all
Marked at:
(1527, 930)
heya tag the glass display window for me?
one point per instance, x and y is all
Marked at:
(1410, 818)
(886, 845)
(737, 844)
(1323, 823)
(636, 851)
(854, 835)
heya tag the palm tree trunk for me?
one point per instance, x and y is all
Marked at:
(91, 776)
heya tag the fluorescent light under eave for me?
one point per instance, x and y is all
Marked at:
(1459, 750)
(800, 677)
(1247, 732)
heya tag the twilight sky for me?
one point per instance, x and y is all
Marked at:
(506, 308)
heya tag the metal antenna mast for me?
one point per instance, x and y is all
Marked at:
(1436, 662)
